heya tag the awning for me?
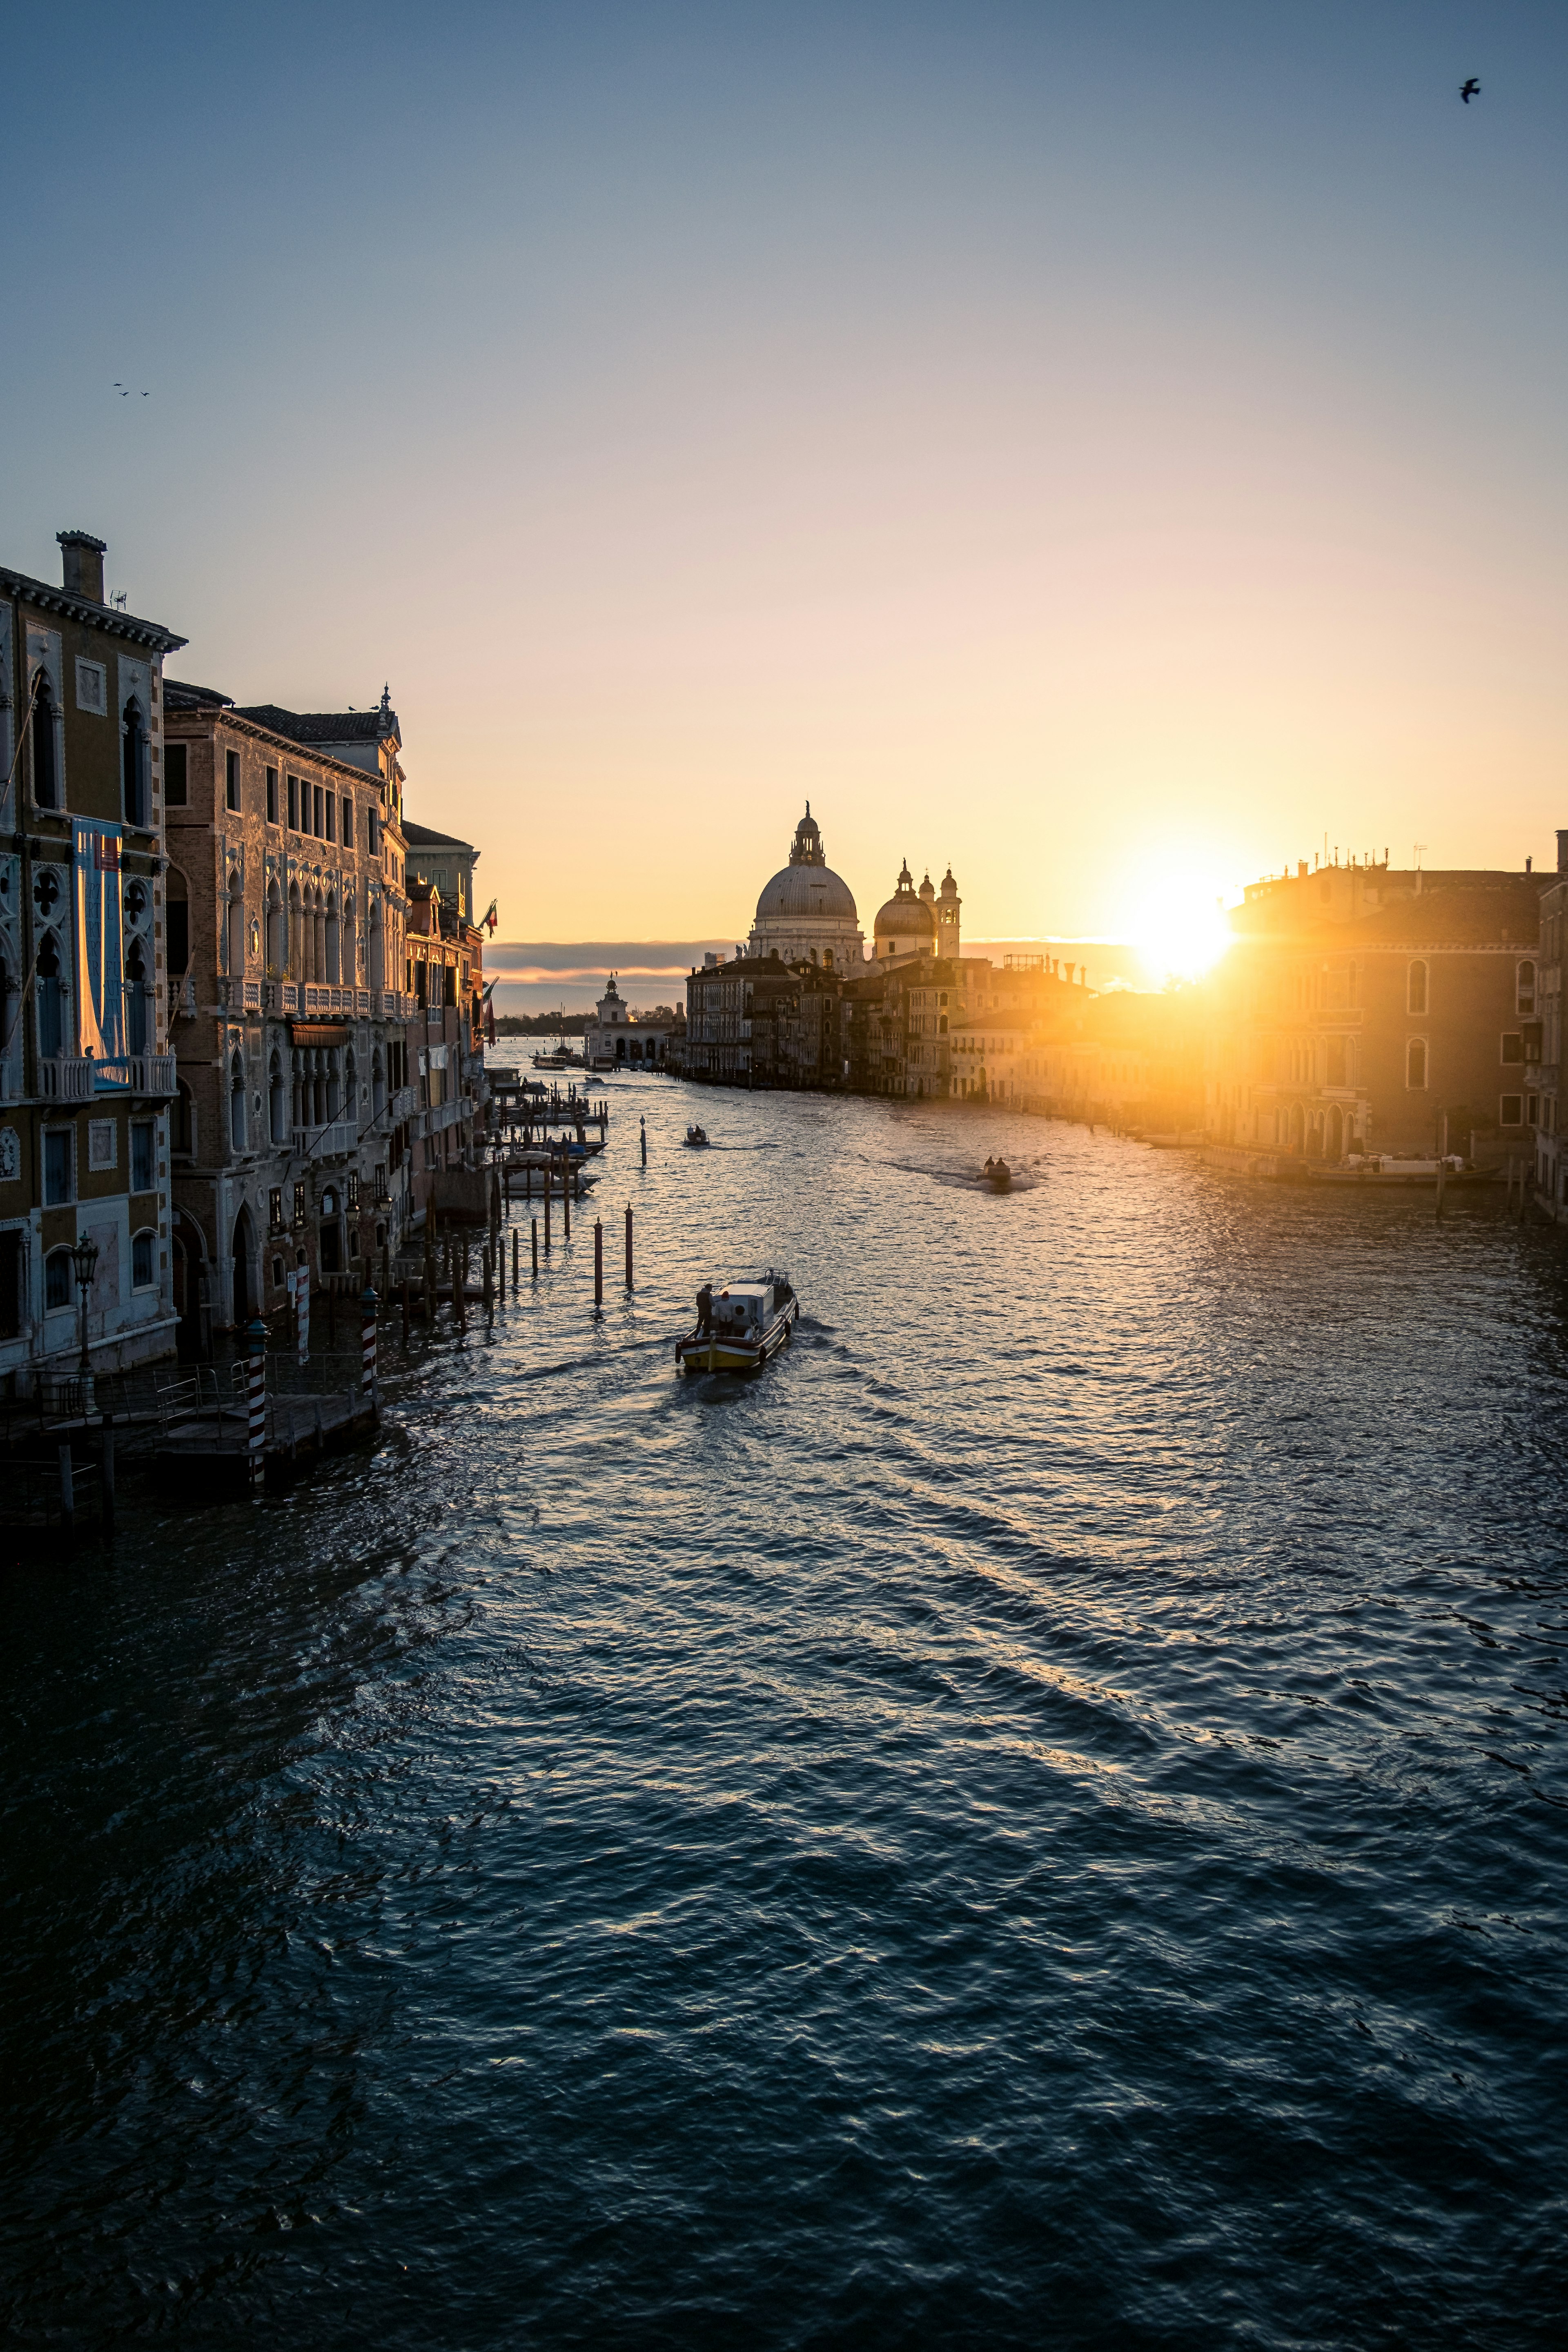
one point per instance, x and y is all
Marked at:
(319, 1032)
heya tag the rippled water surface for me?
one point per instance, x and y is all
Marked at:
(1039, 1820)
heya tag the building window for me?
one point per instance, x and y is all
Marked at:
(46, 767)
(275, 1212)
(329, 811)
(277, 1274)
(102, 1140)
(1510, 1111)
(353, 1191)
(57, 1276)
(134, 764)
(298, 1204)
(60, 1167)
(231, 780)
(271, 795)
(1416, 992)
(92, 688)
(293, 804)
(370, 840)
(144, 1260)
(1531, 1110)
(315, 825)
(1416, 1062)
(1524, 992)
(236, 1121)
(176, 775)
(1513, 1045)
(141, 1155)
(348, 823)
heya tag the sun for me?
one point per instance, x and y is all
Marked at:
(1178, 925)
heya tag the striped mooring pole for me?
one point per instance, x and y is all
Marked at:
(367, 1342)
(255, 1386)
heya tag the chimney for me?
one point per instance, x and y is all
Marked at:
(1563, 849)
(83, 564)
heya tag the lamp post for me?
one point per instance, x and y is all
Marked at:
(84, 1257)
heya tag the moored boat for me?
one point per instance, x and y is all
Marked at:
(740, 1327)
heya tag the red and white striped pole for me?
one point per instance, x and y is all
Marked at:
(303, 1313)
(256, 1337)
(367, 1343)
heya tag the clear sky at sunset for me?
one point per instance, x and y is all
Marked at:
(1083, 444)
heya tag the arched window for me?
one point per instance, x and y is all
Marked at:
(350, 969)
(377, 1085)
(135, 999)
(234, 929)
(275, 938)
(377, 957)
(50, 991)
(143, 1259)
(318, 937)
(133, 764)
(1416, 1063)
(237, 1122)
(45, 763)
(1416, 992)
(182, 1141)
(58, 1275)
(277, 1100)
(330, 938)
(351, 1086)
(1525, 996)
(334, 1097)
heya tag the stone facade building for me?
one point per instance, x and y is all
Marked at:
(86, 1073)
(1363, 1010)
(443, 998)
(1542, 1027)
(295, 1108)
(618, 1038)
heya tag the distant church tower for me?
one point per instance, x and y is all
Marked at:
(948, 908)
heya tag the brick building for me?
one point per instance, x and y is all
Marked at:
(288, 911)
(443, 995)
(1366, 1010)
(86, 1075)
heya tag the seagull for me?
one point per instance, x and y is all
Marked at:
(1470, 90)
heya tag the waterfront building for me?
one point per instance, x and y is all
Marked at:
(1363, 1009)
(616, 1037)
(448, 863)
(288, 911)
(86, 1075)
(805, 912)
(1542, 1027)
(444, 992)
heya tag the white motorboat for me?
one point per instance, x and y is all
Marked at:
(740, 1327)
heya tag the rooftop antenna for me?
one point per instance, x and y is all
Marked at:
(1419, 847)
(119, 599)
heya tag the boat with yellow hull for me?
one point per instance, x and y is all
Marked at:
(740, 1327)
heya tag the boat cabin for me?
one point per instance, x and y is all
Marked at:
(743, 1307)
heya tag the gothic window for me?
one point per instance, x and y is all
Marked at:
(133, 763)
(1416, 992)
(49, 990)
(144, 1260)
(237, 1102)
(57, 1274)
(330, 938)
(234, 929)
(136, 999)
(274, 936)
(46, 765)
(296, 932)
(277, 1100)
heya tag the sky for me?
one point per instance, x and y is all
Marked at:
(1118, 449)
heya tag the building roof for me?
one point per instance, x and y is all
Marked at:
(423, 837)
(47, 599)
(322, 728)
(179, 695)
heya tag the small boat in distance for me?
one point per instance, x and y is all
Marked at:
(998, 1175)
(559, 1057)
(696, 1135)
(740, 1327)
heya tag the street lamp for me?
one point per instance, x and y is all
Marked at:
(84, 1257)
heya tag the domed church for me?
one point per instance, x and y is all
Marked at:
(806, 913)
(919, 922)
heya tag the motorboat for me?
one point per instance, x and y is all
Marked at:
(998, 1175)
(696, 1135)
(740, 1327)
(559, 1058)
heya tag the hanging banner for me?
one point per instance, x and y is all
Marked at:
(100, 940)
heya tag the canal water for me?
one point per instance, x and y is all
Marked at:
(1039, 1820)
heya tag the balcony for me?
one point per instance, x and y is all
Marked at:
(400, 1106)
(66, 1077)
(336, 1140)
(137, 1074)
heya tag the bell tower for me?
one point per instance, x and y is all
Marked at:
(949, 908)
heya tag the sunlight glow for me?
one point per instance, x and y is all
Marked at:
(1178, 925)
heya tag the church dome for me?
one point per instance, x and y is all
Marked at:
(905, 918)
(811, 893)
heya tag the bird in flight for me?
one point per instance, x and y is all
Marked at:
(1470, 90)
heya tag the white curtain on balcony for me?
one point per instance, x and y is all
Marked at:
(100, 939)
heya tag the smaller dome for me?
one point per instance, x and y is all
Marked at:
(928, 889)
(949, 887)
(904, 918)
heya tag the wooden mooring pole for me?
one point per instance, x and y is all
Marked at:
(534, 1224)
(628, 1245)
(598, 1265)
(515, 1237)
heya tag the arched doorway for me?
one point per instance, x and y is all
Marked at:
(1335, 1145)
(244, 1290)
(187, 1254)
(1297, 1128)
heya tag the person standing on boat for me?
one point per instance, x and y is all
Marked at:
(705, 1309)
